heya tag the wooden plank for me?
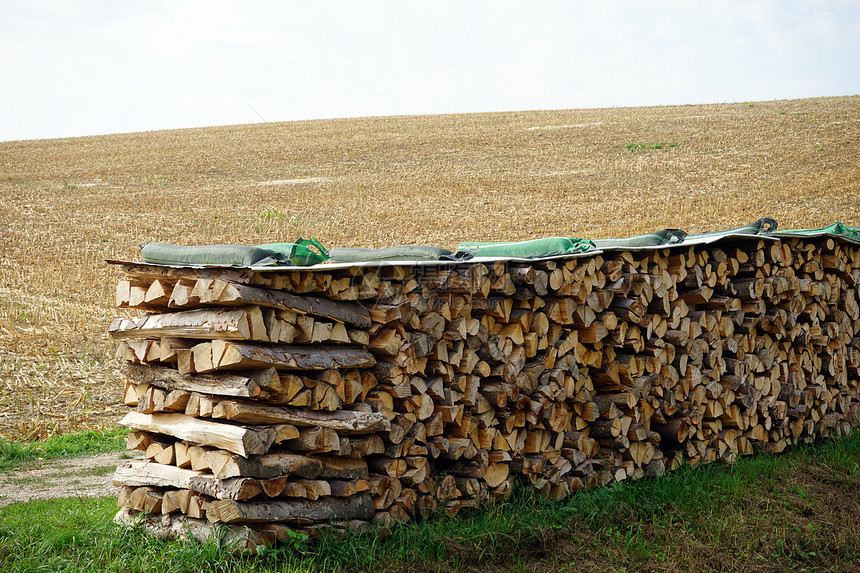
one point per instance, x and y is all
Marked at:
(136, 473)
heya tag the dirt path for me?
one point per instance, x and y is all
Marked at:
(67, 477)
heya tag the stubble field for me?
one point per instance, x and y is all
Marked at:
(68, 205)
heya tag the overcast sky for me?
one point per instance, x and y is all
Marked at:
(86, 67)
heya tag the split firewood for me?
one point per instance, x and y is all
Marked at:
(241, 440)
(222, 384)
(243, 323)
(572, 372)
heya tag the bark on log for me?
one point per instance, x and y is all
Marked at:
(297, 512)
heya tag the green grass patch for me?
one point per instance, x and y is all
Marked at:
(14, 453)
(643, 147)
(97, 471)
(78, 535)
(763, 511)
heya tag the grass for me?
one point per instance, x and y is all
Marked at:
(15, 453)
(761, 513)
(646, 146)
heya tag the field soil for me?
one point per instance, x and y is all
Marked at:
(88, 476)
(67, 205)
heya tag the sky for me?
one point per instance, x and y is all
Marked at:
(88, 67)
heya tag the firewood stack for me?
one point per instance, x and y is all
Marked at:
(267, 400)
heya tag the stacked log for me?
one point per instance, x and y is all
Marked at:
(267, 400)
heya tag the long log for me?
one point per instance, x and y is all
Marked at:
(212, 323)
(298, 512)
(341, 420)
(136, 473)
(240, 385)
(181, 527)
(143, 473)
(236, 439)
(235, 293)
(237, 356)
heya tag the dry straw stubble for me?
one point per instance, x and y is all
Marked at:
(67, 205)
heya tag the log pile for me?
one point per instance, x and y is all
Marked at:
(342, 397)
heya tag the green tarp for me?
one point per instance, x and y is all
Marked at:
(309, 252)
(762, 226)
(837, 230)
(216, 255)
(666, 237)
(304, 252)
(537, 248)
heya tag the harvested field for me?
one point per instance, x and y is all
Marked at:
(67, 205)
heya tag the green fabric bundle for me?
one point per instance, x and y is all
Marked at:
(308, 252)
(536, 248)
(666, 237)
(215, 255)
(763, 226)
(301, 252)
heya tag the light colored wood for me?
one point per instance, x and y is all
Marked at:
(237, 439)
(495, 474)
(175, 501)
(314, 440)
(220, 323)
(182, 456)
(147, 500)
(137, 473)
(139, 441)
